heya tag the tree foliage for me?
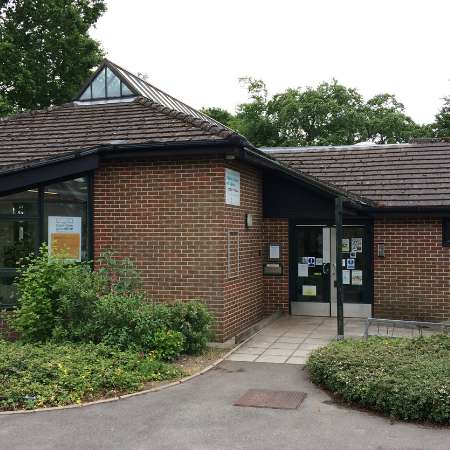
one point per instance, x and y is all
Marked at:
(442, 124)
(221, 115)
(46, 53)
(330, 114)
(387, 122)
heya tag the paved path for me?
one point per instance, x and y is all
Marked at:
(290, 339)
(199, 414)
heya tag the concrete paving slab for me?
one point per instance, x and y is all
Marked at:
(311, 346)
(301, 352)
(251, 350)
(316, 342)
(299, 360)
(273, 359)
(285, 345)
(257, 343)
(278, 352)
(296, 334)
(242, 357)
(289, 340)
(299, 333)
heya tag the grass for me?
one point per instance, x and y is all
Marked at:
(66, 374)
(401, 378)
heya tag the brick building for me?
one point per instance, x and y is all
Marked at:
(204, 214)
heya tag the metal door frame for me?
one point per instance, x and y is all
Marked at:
(329, 309)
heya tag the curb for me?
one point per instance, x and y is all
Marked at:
(134, 394)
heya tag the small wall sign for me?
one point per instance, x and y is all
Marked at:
(274, 251)
(232, 187)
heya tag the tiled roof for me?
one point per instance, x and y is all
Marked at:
(401, 175)
(144, 89)
(59, 131)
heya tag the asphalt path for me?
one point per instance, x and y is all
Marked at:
(200, 414)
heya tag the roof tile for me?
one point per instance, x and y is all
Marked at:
(396, 175)
(59, 131)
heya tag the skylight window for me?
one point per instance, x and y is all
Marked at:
(105, 85)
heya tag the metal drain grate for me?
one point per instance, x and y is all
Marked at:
(265, 398)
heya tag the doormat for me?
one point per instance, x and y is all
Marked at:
(265, 398)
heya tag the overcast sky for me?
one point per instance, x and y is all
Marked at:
(197, 50)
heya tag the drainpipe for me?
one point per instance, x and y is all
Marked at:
(340, 299)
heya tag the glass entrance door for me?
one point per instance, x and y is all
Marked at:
(313, 258)
(313, 271)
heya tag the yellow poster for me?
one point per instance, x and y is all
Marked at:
(66, 244)
(64, 237)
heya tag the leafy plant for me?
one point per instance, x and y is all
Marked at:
(195, 322)
(38, 290)
(167, 344)
(69, 302)
(121, 278)
(402, 378)
(52, 375)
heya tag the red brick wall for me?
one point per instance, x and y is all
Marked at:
(169, 216)
(412, 282)
(276, 288)
(243, 304)
(5, 331)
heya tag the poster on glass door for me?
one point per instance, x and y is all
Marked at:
(64, 237)
(357, 245)
(357, 278)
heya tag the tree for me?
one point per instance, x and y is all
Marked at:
(387, 123)
(442, 124)
(46, 53)
(331, 114)
(252, 119)
(221, 115)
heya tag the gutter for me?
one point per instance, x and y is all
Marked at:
(235, 145)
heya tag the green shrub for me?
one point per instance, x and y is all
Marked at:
(60, 375)
(167, 344)
(194, 321)
(402, 378)
(38, 289)
(78, 292)
(121, 278)
(69, 302)
(129, 321)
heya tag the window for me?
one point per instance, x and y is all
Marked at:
(24, 225)
(446, 232)
(106, 85)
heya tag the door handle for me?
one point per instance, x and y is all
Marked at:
(326, 268)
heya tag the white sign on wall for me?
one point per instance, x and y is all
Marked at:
(64, 237)
(232, 187)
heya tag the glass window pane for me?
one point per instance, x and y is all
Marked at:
(86, 95)
(125, 90)
(25, 202)
(354, 293)
(98, 85)
(113, 82)
(68, 200)
(8, 292)
(16, 241)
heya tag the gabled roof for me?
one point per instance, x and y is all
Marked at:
(110, 82)
(55, 132)
(401, 175)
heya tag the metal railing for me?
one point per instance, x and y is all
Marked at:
(404, 328)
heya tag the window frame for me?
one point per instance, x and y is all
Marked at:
(446, 232)
(39, 220)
